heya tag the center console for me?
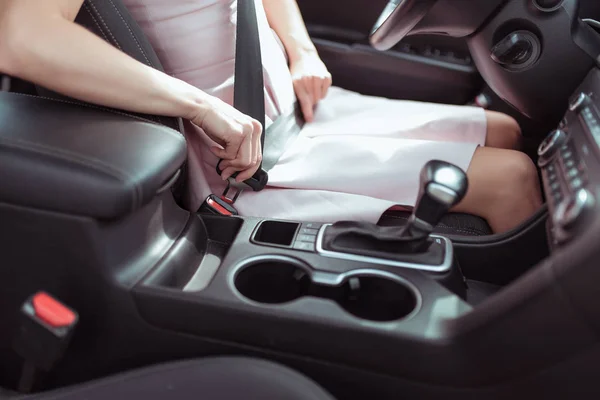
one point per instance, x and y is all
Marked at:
(317, 289)
(367, 311)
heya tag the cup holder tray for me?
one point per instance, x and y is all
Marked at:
(366, 294)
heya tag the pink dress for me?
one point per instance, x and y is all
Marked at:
(361, 156)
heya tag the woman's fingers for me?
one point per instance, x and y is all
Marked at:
(249, 158)
(256, 156)
(326, 84)
(305, 99)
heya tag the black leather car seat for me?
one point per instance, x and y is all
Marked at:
(206, 379)
(110, 20)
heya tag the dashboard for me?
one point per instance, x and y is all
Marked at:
(569, 158)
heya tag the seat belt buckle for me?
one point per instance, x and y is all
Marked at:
(256, 183)
(45, 330)
(218, 205)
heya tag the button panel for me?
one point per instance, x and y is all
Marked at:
(572, 168)
(550, 145)
(591, 121)
(565, 176)
(306, 240)
(553, 182)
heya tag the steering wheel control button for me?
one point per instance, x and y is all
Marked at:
(517, 51)
(579, 102)
(549, 146)
(547, 5)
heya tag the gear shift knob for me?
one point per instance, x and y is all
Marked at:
(442, 186)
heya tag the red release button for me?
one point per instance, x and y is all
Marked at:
(220, 209)
(51, 311)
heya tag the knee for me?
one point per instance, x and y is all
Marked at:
(518, 179)
(503, 131)
(513, 130)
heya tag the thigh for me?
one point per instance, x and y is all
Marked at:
(350, 114)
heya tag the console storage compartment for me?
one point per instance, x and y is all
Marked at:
(276, 233)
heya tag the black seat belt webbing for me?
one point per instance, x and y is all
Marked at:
(249, 95)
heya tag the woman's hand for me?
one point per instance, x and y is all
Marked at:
(236, 133)
(311, 80)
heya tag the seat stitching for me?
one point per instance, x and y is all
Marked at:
(157, 118)
(91, 3)
(131, 33)
(91, 14)
(95, 21)
(139, 46)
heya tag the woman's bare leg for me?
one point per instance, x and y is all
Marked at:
(503, 188)
(503, 132)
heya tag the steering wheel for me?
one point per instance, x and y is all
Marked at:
(397, 19)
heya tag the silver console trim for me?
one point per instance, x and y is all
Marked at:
(444, 267)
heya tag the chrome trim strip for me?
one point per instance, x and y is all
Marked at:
(444, 267)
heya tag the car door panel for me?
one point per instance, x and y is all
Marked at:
(425, 68)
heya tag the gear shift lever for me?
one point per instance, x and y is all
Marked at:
(442, 186)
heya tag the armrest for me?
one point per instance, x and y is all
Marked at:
(81, 160)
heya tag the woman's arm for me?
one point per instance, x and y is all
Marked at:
(285, 19)
(310, 76)
(41, 44)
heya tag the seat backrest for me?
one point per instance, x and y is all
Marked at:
(110, 20)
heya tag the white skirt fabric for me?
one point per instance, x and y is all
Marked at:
(361, 156)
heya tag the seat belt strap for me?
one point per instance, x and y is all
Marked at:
(249, 88)
(249, 98)
(279, 135)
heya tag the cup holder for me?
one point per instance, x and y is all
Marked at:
(377, 298)
(366, 294)
(273, 281)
